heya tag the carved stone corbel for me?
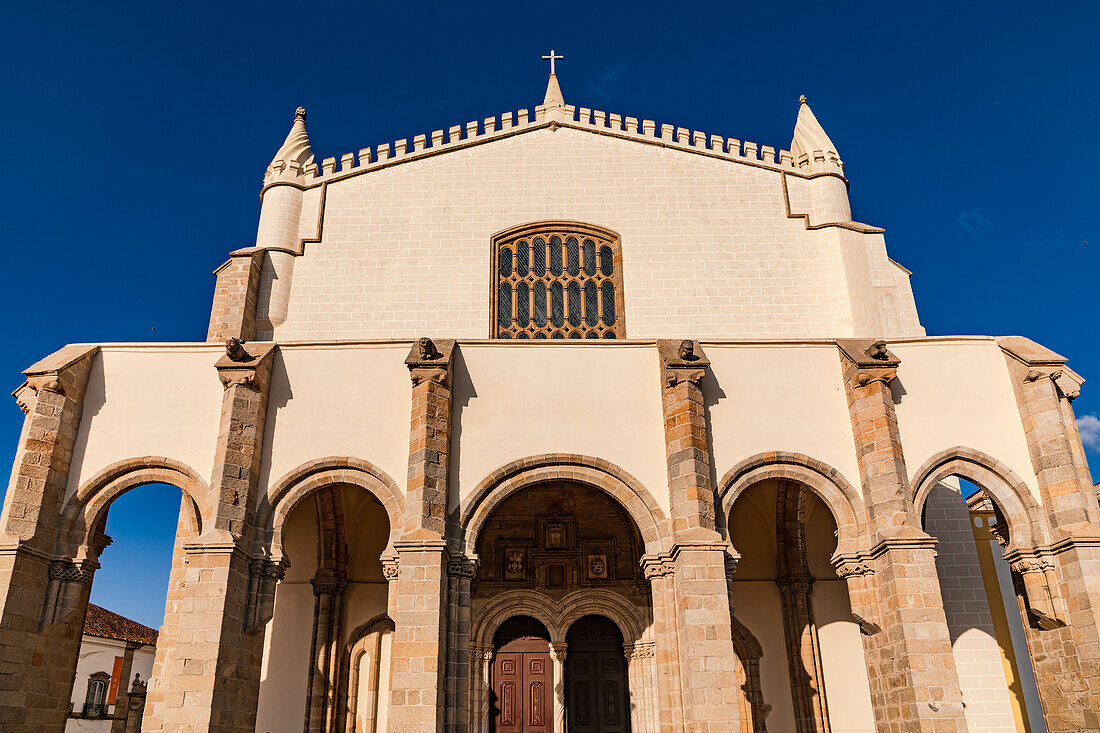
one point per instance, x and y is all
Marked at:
(681, 361)
(1041, 589)
(265, 576)
(430, 361)
(867, 361)
(249, 368)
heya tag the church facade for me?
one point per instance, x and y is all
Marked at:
(565, 421)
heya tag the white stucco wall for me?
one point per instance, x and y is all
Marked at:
(709, 249)
(599, 400)
(353, 400)
(149, 400)
(956, 392)
(779, 397)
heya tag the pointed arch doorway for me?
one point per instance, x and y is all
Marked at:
(522, 678)
(595, 678)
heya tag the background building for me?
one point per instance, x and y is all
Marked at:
(112, 671)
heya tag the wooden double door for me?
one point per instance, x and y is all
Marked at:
(523, 680)
(596, 698)
(595, 686)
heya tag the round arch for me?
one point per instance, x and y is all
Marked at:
(558, 615)
(297, 484)
(593, 472)
(1026, 527)
(84, 510)
(826, 482)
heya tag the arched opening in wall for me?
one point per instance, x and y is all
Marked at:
(326, 662)
(137, 541)
(595, 677)
(559, 551)
(798, 644)
(982, 599)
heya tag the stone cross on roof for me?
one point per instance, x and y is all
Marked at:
(552, 58)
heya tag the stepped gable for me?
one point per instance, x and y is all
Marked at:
(812, 152)
(110, 625)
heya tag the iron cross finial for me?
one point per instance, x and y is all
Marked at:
(552, 58)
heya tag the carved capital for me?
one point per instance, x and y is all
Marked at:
(462, 567)
(848, 567)
(329, 586)
(71, 571)
(657, 566)
(390, 568)
(867, 361)
(45, 383)
(681, 361)
(430, 360)
(641, 650)
(558, 652)
(248, 368)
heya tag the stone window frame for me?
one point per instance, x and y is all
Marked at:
(93, 709)
(564, 228)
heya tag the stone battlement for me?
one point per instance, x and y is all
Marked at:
(582, 118)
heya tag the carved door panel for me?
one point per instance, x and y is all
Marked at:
(596, 701)
(522, 683)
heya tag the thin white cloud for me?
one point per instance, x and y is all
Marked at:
(1089, 425)
(976, 221)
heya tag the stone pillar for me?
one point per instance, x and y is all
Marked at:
(42, 598)
(557, 660)
(914, 685)
(698, 555)
(328, 606)
(658, 570)
(481, 664)
(233, 313)
(135, 707)
(1060, 584)
(420, 603)
(800, 632)
(122, 696)
(642, 678)
(461, 572)
(210, 681)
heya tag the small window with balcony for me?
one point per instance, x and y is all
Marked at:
(557, 280)
(95, 704)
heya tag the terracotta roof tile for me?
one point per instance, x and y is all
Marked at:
(109, 625)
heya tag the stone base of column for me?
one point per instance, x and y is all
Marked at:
(210, 681)
(707, 658)
(419, 642)
(907, 647)
(1066, 659)
(41, 622)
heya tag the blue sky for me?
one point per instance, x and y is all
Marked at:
(137, 136)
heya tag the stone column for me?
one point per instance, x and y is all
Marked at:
(659, 571)
(698, 555)
(642, 679)
(914, 685)
(1061, 583)
(210, 681)
(420, 605)
(42, 598)
(328, 593)
(461, 572)
(557, 660)
(481, 669)
(122, 695)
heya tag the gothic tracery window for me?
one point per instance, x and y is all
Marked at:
(557, 280)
